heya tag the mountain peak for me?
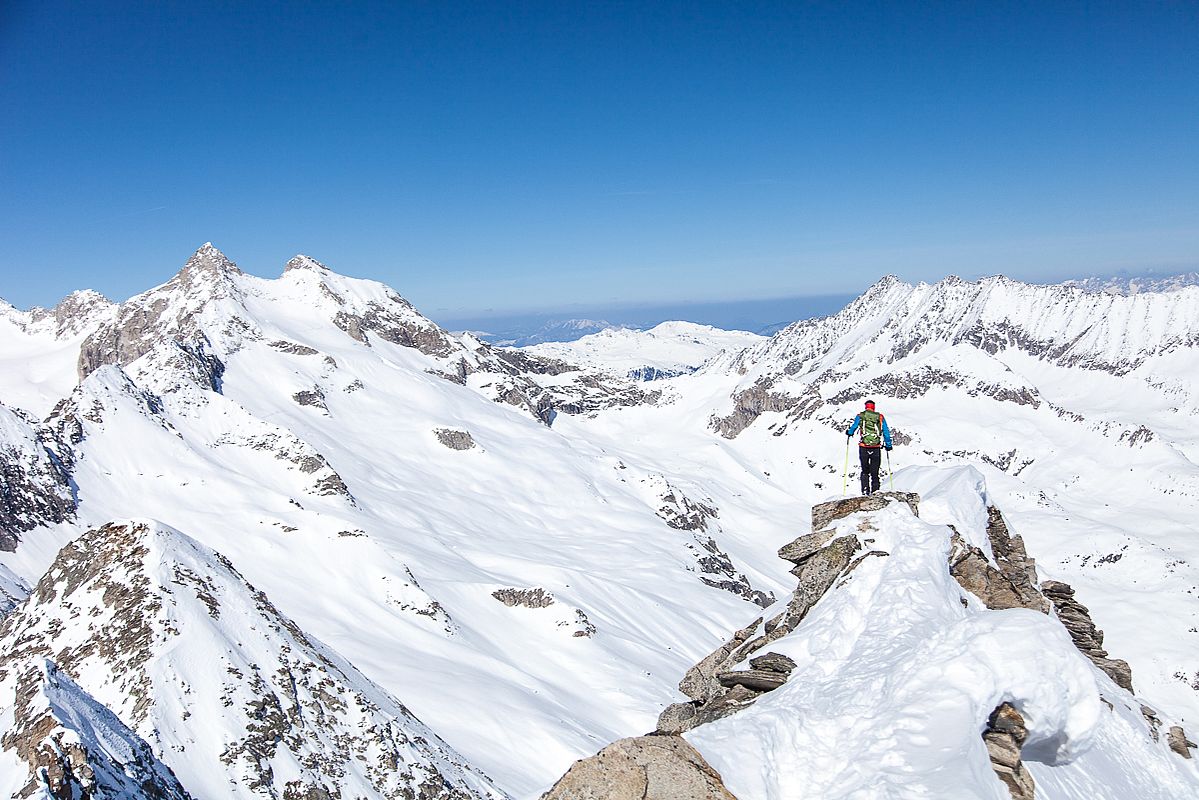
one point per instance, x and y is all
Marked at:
(208, 260)
(302, 261)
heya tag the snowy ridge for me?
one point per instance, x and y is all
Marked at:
(235, 697)
(838, 730)
(1065, 326)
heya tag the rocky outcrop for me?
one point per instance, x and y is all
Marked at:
(398, 323)
(1017, 566)
(535, 597)
(715, 686)
(1176, 738)
(573, 619)
(642, 768)
(455, 440)
(1004, 736)
(824, 514)
(715, 566)
(311, 397)
(748, 405)
(766, 673)
(1087, 638)
(35, 484)
(75, 748)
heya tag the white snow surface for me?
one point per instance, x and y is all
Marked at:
(1076, 409)
(671, 347)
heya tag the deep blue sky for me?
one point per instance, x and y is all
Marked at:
(539, 155)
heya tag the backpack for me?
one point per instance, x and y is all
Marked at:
(872, 428)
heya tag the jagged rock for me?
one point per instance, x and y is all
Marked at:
(759, 680)
(707, 683)
(971, 569)
(1087, 638)
(824, 514)
(1155, 723)
(642, 768)
(773, 662)
(1176, 737)
(717, 570)
(678, 718)
(1014, 562)
(1004, 736)
(35, 484)
(76, 748)
(586, 628)
(157, 317)
(748, 405)
(535, 597)
(294, 348)
(700, 682)
(805, 545)
(455, 440)
(314, 397)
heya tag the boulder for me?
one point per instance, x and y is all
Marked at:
(971, 568)
(805, 545)
(757, 679)
(824, 514)
(1176, 737)
(773, 662)
(642, 768)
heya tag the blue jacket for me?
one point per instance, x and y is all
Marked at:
(857, 421)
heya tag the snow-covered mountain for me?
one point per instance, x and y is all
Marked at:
(664, 351)
(1135, 284)
(486, 563)
(557, 330)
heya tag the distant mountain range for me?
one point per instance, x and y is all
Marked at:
(1129, 284)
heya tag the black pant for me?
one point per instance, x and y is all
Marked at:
(872, 459)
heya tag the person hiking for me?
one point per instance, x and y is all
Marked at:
(874, 436)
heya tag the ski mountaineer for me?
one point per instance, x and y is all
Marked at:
(874, 436)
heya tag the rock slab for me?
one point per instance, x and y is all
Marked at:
(642, 768)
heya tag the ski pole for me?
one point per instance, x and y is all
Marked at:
(845, 480)
(890, 474)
